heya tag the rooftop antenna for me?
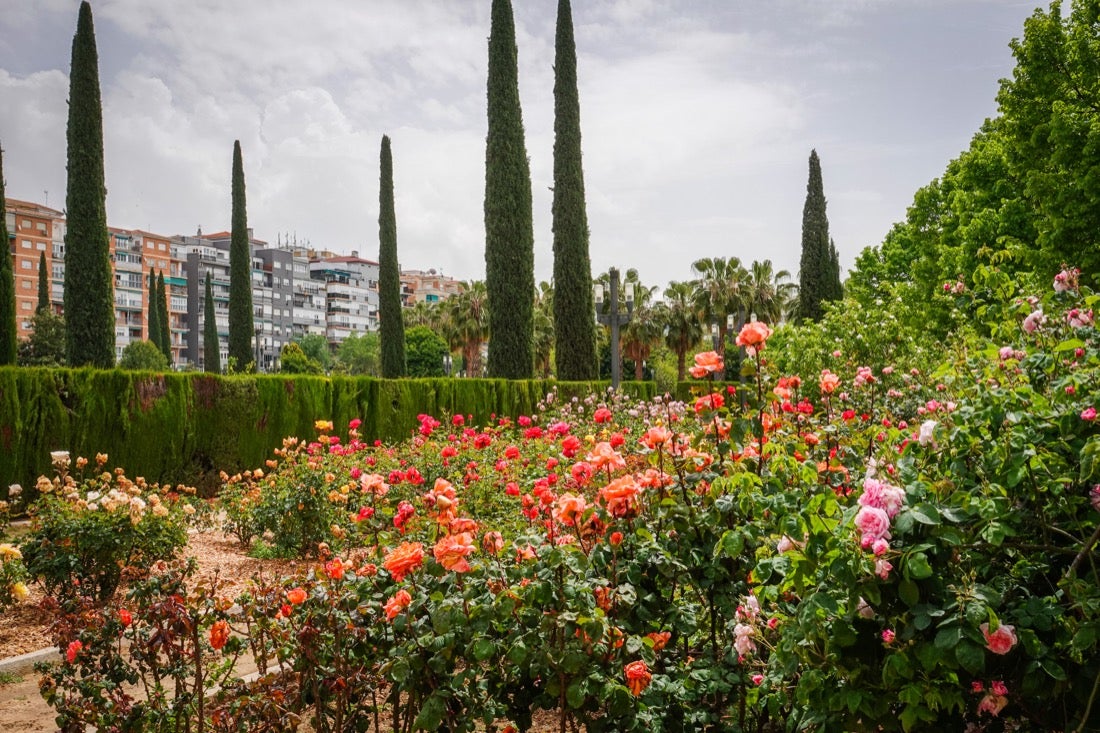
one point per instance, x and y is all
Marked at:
(47, 195)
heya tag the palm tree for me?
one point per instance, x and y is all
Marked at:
(644, 329)
(719, 293)
(683, 328)
(469, 320)
(543, 340)
(769, 293)
(421, 313)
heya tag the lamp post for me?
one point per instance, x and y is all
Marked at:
(614, 318)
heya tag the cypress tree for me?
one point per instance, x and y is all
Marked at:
(240, 273)
(153, 318)
(389, 276)
(89, 287)
(814, 265)
(43, 285)
(165, 328)
(836, 288)
(211, 348)
(509, 231)
(8, 325)
(574, 308)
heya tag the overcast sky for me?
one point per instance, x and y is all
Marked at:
(698, 117)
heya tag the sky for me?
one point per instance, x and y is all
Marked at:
(697, 117)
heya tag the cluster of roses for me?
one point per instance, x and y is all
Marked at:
(879, 503)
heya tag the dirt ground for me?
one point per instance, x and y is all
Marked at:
(25, 628)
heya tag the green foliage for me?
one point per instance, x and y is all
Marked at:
(425, 349)
(574, 325)
(389, 274)
(89, 282)
(293, 360)
(316, 347)
(211, 344)
(816, 273)
(165, 328)
(89, 528)
(151, 316)
(9, 331)
(45, 346)
(509, 233)
(43, 284)
(360, 354)
(143, 355)
(240, 273)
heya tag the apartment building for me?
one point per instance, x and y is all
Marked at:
(427, 286)
(351, 294)
(34, 230)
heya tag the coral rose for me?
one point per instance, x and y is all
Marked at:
(637, 677)
(397, 603)
(451, 551)
(569, 509)
(828, 382)
(296, 596)
(604, 456)
(707, 362)
(408, 556)
(754, 334)
(620, 496)
(219, 634)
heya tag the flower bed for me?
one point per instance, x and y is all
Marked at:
(863, 548)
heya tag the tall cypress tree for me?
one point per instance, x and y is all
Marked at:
(574, 308)
(240, 273)
(814, 266)
(835, 290)
(165, 328)
(211, 348)
(509, 231)
(8, 326)
(153, 318)
(43, 285)
(89, 286)
(389, 275)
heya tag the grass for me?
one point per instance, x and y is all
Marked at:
(10, 678)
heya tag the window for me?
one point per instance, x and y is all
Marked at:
(25, 264)
(41, 226)
(27, 244)
(40, 246)
(26, 305)
(27, 285)
(26, 224)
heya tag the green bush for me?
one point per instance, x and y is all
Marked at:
(143, 356)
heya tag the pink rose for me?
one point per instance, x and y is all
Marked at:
(873, 523)
(1088, 414)
(883, 568)
(1034, 321)
(992, 704)
(888, 636)
(1000, 641)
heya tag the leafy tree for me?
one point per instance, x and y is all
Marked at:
(834, 288)
(89, 288)
(421, 313)
(720, 292)
(767, 292)
(573, 322)
(165, 328)
(143, 356)
(468, 313)
(9, 337)
(240, 271)
(425, 349)
(389, 275)
(46, 344)
(683, 329)
(211, 345)
(153, 317)
(293, 360)
(361, 354)
(316, 347)
(509, 232)
(543, 329)
(644, 330)
(43, 283)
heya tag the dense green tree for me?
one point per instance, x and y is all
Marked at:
(468, 314)
(360, 354)
(89, 286)
(682, 327)
(316, 347)
(293, 360)
(143, 356)
(768, 293)
(509, 231)
(425, 349)
(389, 273)
(543, 329)
(152, 316)
(644, 330)
(834, 288)
(720, 293)
(211, 344)
(421, 313)
(165, 328)
(240, 273)
(46, 344)
(574, 309)
(813, 268)
(9, 335)
(43, 284)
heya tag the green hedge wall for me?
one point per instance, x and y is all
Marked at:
(189, 427)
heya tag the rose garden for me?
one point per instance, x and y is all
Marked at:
(836, 541)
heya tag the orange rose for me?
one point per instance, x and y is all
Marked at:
(407, 557)
(334, 568)
(656, 436)
(296, 596)
(754, 334)
(659, 639)
(829, 382)
(219, 634)
(570, 508)
(707, 362)
(637, 677)
(451, 551)
(620, 496)
(397, 603)
(604, 456)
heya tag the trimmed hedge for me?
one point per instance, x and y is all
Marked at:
(189, 427)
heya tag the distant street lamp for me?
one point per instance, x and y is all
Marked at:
(447, 364)
(614, 318)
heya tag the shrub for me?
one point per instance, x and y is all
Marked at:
(143, 356)
(89, 528)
